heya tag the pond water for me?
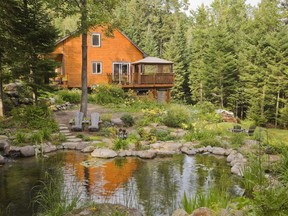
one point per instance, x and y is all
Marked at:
(153, 186)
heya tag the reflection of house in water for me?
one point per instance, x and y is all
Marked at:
(105, 179)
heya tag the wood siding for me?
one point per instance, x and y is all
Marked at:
(115, 49)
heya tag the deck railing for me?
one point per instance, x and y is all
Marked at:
(158, 78)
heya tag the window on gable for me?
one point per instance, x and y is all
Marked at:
(96, 67)
(96, 40)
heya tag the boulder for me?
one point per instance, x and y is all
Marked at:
(203, 211)
(218, 151)
(188, 151)
(127, 153)
(237, 169)
(70, 145)
(235, 157)
(88, 149)
(178, 133)
(166, 152)
(241, 161)
(171, 146)
(117, 122)
(103, 153)
(82, 145)
(27, 151)
(3, 137)
(156, 146)
(12, 151)
(180, 212)
(3, 144)
(2, 160)
(146, 154)
(49, 148)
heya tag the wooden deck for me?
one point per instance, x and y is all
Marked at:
(152, 80)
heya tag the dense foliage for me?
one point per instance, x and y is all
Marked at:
(229, 53)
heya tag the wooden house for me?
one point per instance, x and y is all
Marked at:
(113, 60)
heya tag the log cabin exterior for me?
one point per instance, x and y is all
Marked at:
(112, 60)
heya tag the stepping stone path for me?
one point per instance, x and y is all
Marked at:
(72, 141)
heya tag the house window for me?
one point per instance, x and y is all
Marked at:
(96, 40)
(121, 72)
(96, 67)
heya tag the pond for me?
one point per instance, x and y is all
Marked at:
(153, 186)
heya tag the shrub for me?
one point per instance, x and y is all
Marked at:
(211, 142)
(72, 96)
(20, 138)
(237, 139)
(272, 200)
(120, 144)
(106, 94)
(34, 117)
(198, 135)
(176, 116)
(127, 120)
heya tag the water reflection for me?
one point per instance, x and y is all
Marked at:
(153, 186)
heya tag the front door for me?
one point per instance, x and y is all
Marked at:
(121, 72)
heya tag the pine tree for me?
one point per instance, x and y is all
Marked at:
(198, 51)
(176, 52)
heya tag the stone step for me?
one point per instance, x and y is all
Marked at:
(65, 131)
(71, 137)
(74, 140)
(63, 128)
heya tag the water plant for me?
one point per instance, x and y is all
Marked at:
(52, 199)
(120, 144)
(212, 199)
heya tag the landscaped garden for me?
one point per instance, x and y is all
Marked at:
(178, 137)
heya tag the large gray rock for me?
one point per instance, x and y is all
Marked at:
(178, 133)
(48, 147)
(117, 122)
(218, 151)
(241, 161)
(237, 169)
(27, 151)
(171, 146)
(146, 154)
(82, 145)
(188, 151)
(166, 152)
(180, 212)
(88, 149)
(12, 151)
(3, 144)
(103, 153)
(2, 160)
(70, 145)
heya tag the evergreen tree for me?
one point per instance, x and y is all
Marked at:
(176, 52)
(198, 52)
(33, 38)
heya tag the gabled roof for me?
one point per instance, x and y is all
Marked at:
(152, 60)
(73, 33)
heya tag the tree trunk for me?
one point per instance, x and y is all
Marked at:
(221, 98)
(201, 91)
(1, 95)
(277, 108)
(84, 95)
(263, 101)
